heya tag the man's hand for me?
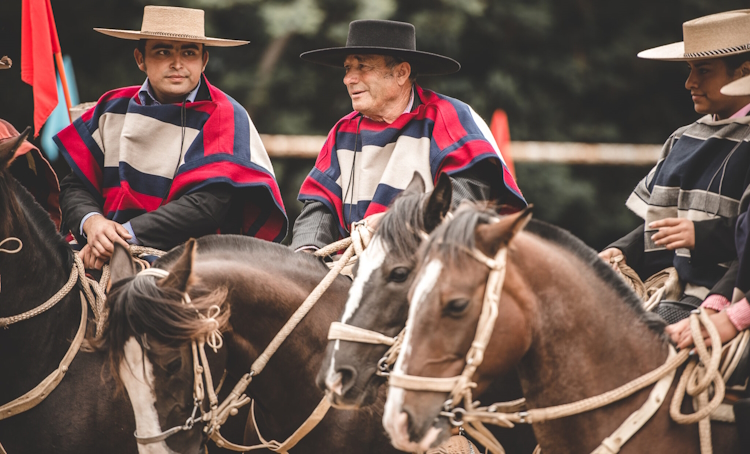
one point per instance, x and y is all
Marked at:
(674, 233)
(90, 261)
(101, 234)
(681, 335)
(608, 254)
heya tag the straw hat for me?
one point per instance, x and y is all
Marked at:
(172, 23)
(740, 87)
(717, 35)
(384, 37)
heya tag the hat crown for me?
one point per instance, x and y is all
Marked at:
(382, 33)
(717, 32)
(173, 21)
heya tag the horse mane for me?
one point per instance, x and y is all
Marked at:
(37, 218)
(454, 237)
(406, 210)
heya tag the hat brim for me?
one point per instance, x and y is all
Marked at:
(740, 87)
(137, 35)
(676, 52)
(423, 63)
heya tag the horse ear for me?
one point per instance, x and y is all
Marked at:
(416, 184)
(121, 265)
(8, 148)
(439, 203)
(503, 231)
(181, 272)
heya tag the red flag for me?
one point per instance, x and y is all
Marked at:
(39, 43)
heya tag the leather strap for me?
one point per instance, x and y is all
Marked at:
(639, 418)
(283, 448)
(418, 383)
(40, 392)
(342, 331)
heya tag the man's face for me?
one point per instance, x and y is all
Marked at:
(705, 81)
(173, 67)
(373, 87)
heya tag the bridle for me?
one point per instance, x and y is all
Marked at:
(219, 413)
(351, 333)
(201, 369)
(694, 380)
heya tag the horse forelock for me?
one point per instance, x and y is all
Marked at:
(400, 229)
(140, 309)
(454, 237)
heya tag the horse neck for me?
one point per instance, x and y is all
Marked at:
(34, 347)
(285, 391)
(586, 339)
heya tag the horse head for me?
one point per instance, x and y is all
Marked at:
(446, 299)
(378, 296)
(154, 320)
(9, 210)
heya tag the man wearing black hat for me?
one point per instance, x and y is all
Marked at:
(397, 128)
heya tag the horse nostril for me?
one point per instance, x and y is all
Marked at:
(348, 377)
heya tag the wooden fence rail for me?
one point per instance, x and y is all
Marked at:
(308, 147)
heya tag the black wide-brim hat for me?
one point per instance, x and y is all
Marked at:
(384, 37)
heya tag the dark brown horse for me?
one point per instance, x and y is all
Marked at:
(570, 325)
(257, 285)
(378, 302)
(83, 414)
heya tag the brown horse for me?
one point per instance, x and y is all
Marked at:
(257, 285)
(378, 302)
(83, 414)
(571, 327)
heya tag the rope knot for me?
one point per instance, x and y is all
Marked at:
(214, 339)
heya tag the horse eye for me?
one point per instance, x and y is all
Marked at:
(457, 306)
(399, 274)
(174, 366)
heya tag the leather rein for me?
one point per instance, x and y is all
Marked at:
(219, 413)
(695, 380)
(36, 395)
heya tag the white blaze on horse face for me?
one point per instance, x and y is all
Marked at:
(140, 391)
(393, 415)
(370, 260)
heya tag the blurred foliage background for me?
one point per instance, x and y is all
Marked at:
(563, 70)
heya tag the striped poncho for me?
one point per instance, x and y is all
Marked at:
(135, 158)
(364, 164)
(702, 174)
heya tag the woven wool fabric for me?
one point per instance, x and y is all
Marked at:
(442, 135)
(35, 173)
(133, 157)
(695, 178)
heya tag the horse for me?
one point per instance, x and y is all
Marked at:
(378, 302)
(83, 414)
(568, 324)
(255, 287)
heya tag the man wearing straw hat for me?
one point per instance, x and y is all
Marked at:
(171, 159)
(397, 128)
(731, 318)
(690, 200)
